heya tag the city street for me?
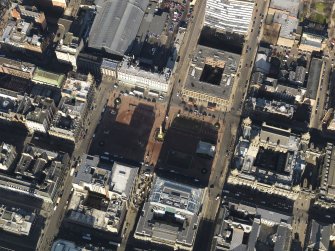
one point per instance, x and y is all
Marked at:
(227, 135)
(232, 120)
(300, 219)
(161, 123)
(81, 147)
(188, 46)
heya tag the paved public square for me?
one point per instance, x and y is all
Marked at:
(128, 129)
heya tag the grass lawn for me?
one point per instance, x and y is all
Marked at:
(318, 18)
(320, 7)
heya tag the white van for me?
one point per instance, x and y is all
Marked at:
(72, 171)
(104, 158)
(87, 237)
(114, 243)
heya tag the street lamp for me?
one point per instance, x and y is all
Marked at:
(117, 101)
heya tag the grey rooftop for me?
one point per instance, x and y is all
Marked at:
(210, 65)
(116, 24)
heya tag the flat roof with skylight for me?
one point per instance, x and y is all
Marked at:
(171, 214)
(123, 179)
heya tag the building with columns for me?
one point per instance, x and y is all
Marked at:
(132, 75)
(273, 160)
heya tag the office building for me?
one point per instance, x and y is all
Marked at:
(123, 178)
(15, 220)
(311, 42)
(326, 198)
(242, 227)
(152, 56)
(132, 75)
(314, 78)
(273, 107)
(68, 49)
(77, 96)
(39, 174)
(11, 104)
(89, 63)
(270, 159)
(171, 215)
(211, 78)
(29, 13)
(291, 6)
(67, 122)
(17, 68)
(288, 24)
(100, 198)
(319, 236)
(7, 156)
(25, 31)
(229, 15)
(109, 68)
(54, 5)
(64, 245)
(262, 63)
(36, 113)
(40, 114)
